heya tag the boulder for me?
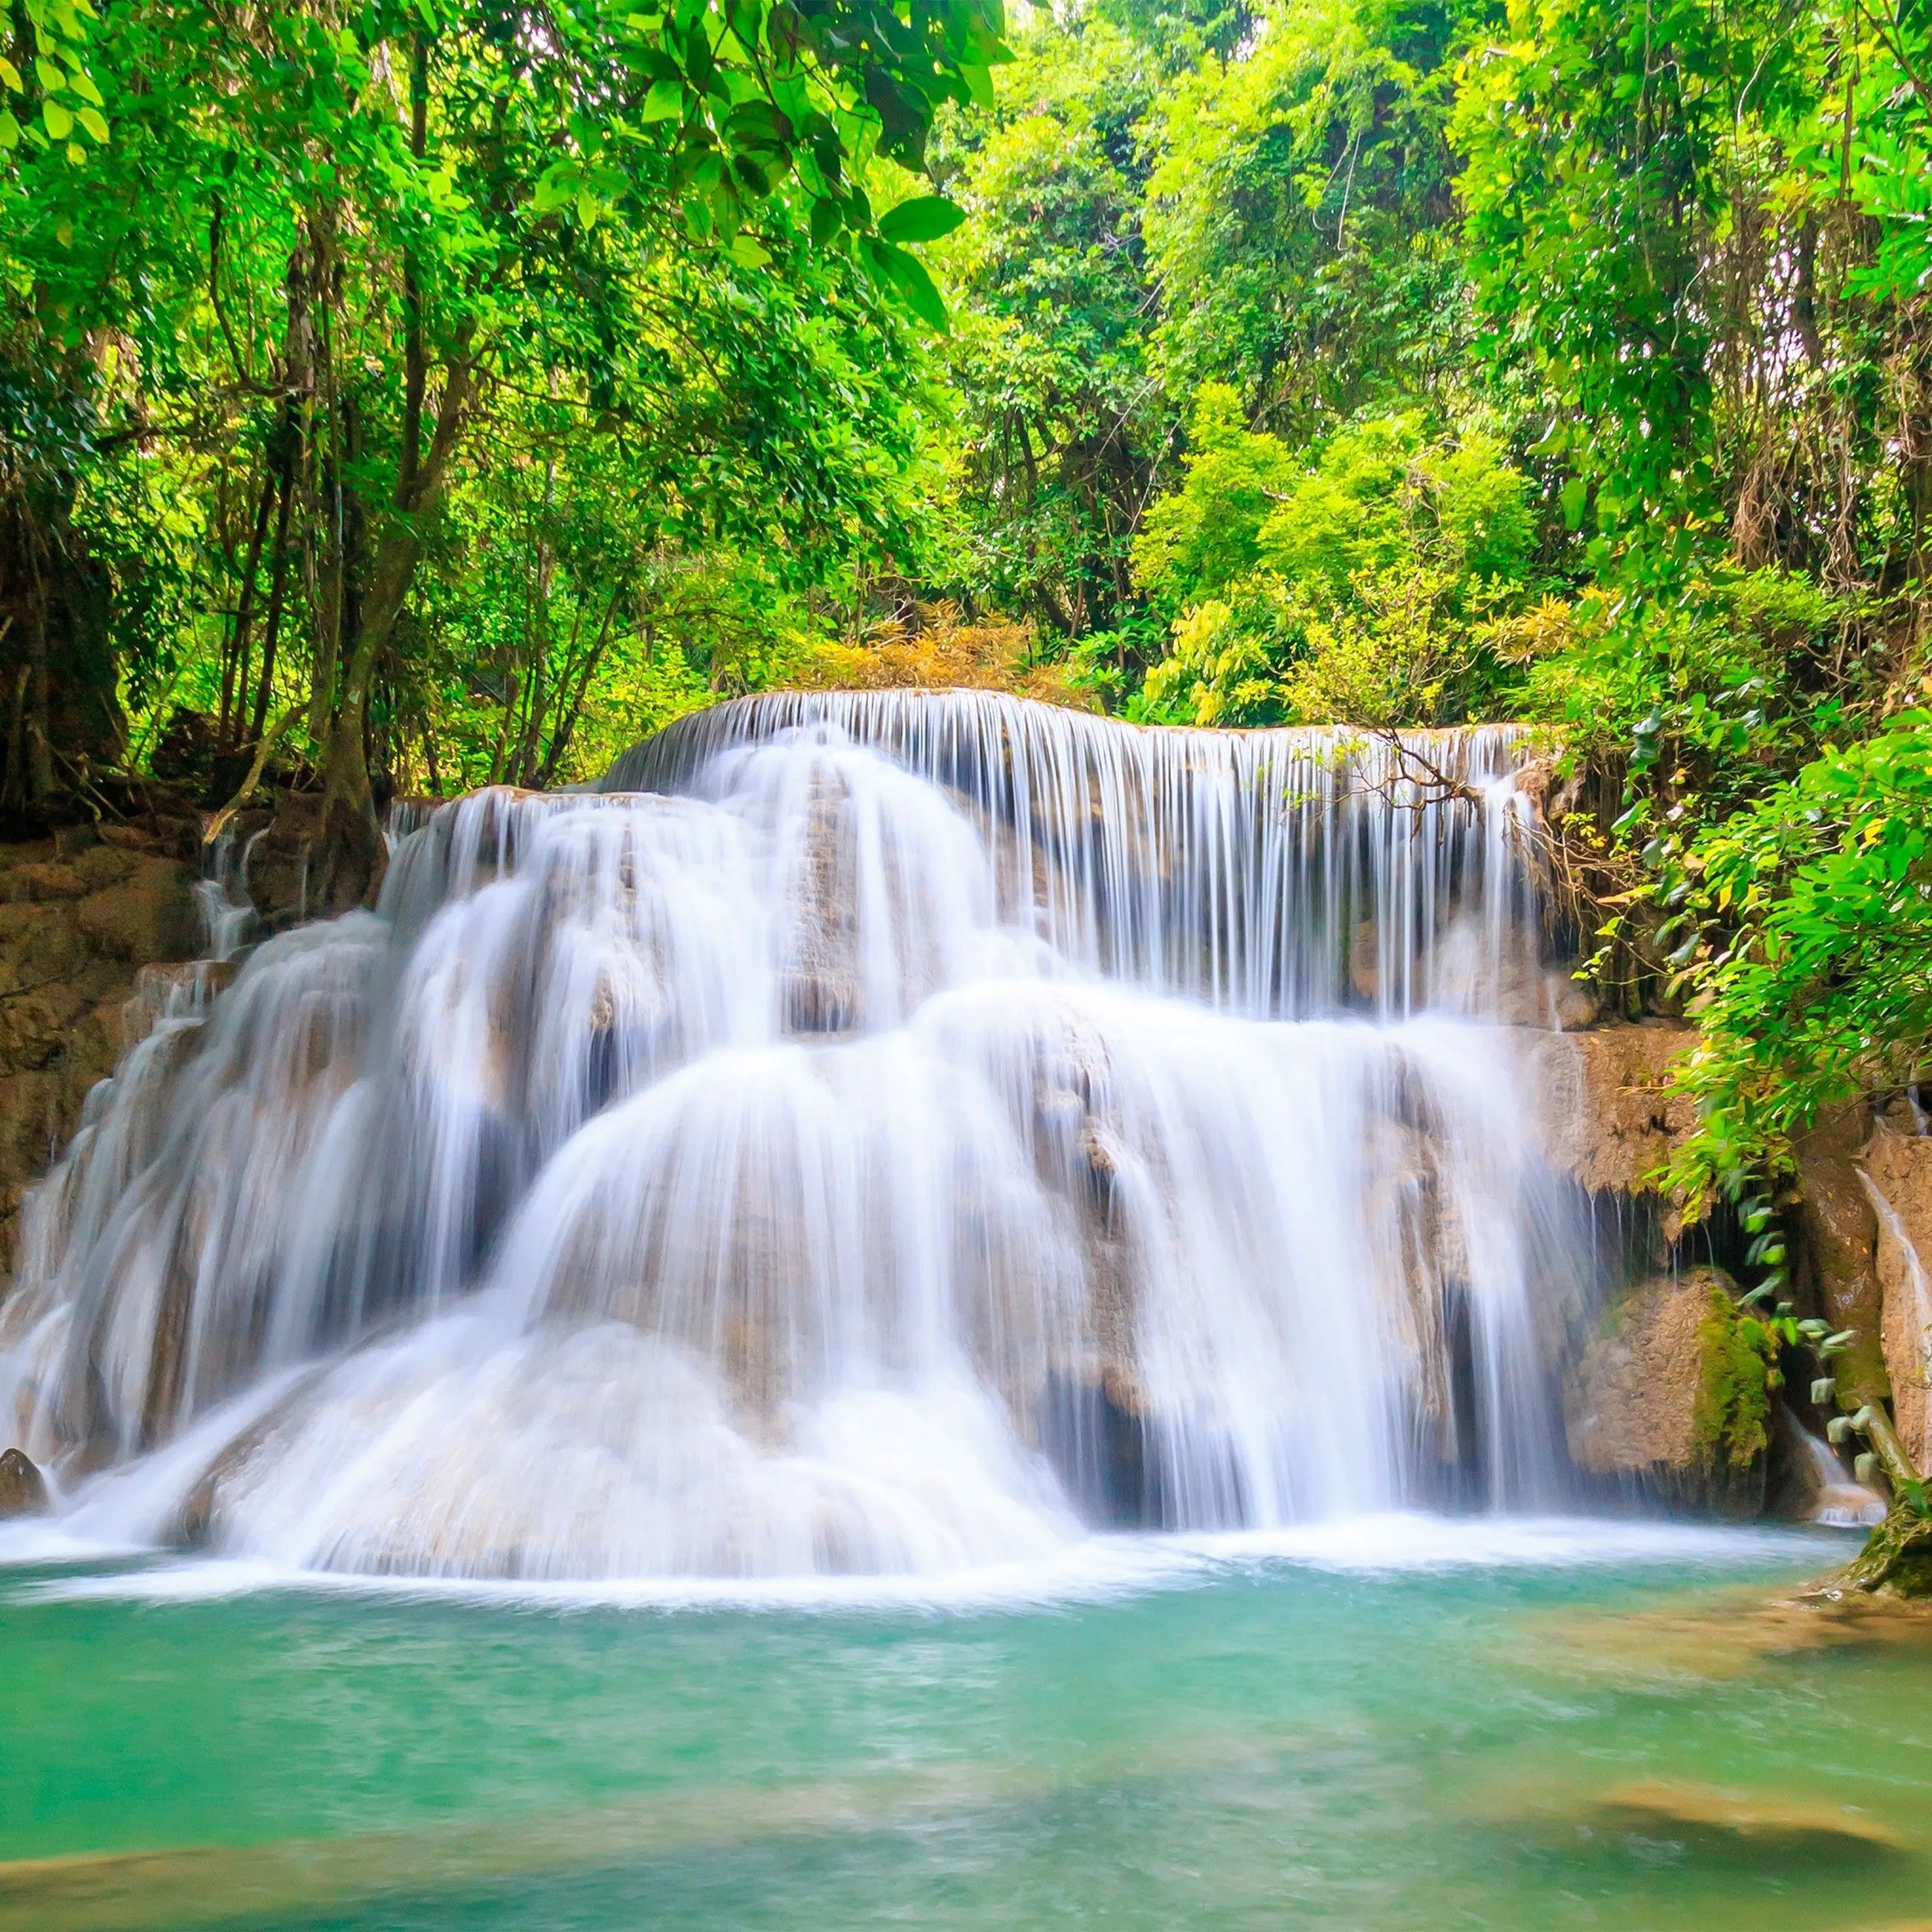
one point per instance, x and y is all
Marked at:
(1898, 1168)
(1650, 1403)
(23, 1490)
(286, 851)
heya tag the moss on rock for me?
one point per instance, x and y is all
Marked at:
(1737, 1372)
(1896, 1559)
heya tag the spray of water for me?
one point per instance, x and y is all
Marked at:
(875, 1134)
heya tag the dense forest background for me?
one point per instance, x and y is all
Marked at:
(403, 397)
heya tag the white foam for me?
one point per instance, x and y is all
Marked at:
(1375, 1548)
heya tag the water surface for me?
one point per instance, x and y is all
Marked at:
(1400, 1723)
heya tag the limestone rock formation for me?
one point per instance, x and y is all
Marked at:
(1608, 1119)
(1837, 1249)
(1632, 1408)
(81, 914)
(1763, 1822)
(1632, 1405)
(23, 1491)
(1899, 1167)
(823, 992)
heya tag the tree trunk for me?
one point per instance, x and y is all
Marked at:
(277, 592)
(348, 868)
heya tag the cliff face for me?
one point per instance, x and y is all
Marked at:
(1898, 1167)
(1607, 1115)
(82, 914)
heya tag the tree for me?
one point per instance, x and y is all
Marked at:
(329, 252)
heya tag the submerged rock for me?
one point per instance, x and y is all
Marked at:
(23, 1490)
(1765, 1822)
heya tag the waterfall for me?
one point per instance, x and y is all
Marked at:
(874, 1132)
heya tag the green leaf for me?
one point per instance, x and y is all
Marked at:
(908, 275)
(59, 121)
(664, 102)
(924, 219)
(11, 74)
(52, 79)
(10, 129)
(1574, 497)
(95, 121)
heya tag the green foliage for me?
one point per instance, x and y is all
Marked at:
(1809, 912)
(1057, 430)
(1362, 581)
(1299, 215)
(1203, 539)
(359, 328)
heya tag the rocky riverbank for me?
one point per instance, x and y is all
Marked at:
(92, 918)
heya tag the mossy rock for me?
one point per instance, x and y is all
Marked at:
(1737, 1359)
(1896, 1559)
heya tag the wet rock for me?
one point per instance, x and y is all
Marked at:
(1365, 976)
(79, 914)
(287, 851)
(1095, 1432)
(1899, 1167)
(23, 1490)
(1526, 994)
(1608, 1116)
(148, 917)
(1762, 1822)
(1896, 1559)
(1811, 1485)
(1632, 1410)
(822, 990)
(1838, 1251)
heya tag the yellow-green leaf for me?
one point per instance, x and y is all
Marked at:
(52, 79)
(11, 74)
(60, 122)
(95, 121)
(664, 102)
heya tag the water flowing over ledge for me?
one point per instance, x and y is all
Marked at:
(1283, 872)
(879, 1134)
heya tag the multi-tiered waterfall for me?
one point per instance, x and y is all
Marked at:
(874, 1132)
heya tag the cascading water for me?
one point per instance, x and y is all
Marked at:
(880, 1133)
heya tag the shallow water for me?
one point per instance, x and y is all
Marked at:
(1401, 1723)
